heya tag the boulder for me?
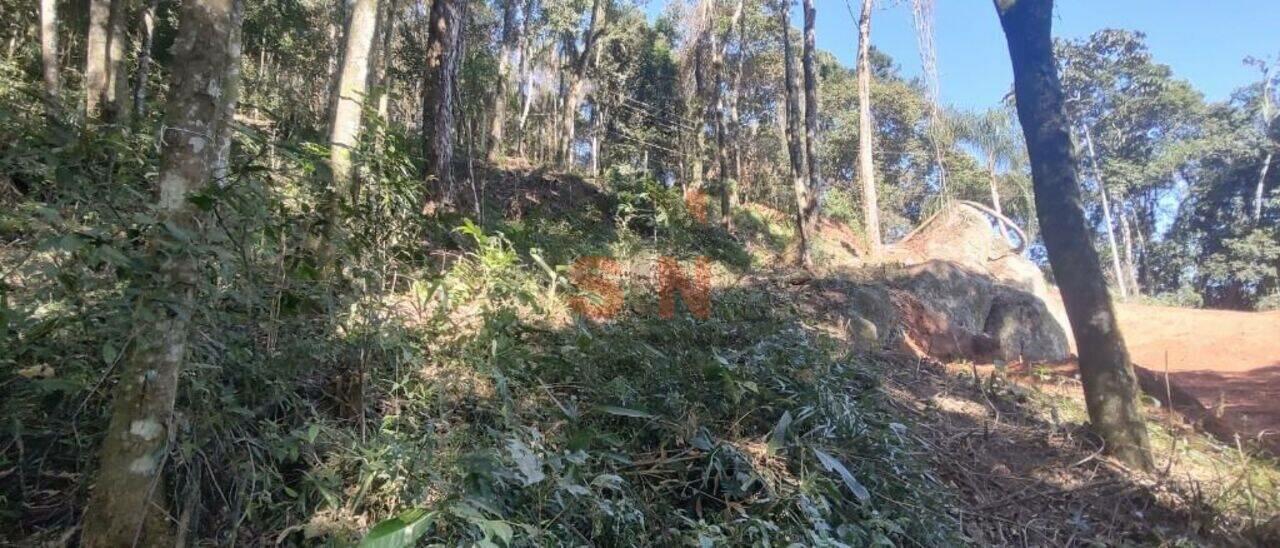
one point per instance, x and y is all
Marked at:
(1024, 329)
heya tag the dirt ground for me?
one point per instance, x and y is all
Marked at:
(1229, 360)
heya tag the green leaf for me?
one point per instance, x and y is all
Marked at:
(624, 412)
(778, 439)
(834, 465)
(401, 531)
(109, 353)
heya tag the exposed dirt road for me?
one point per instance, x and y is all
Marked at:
(1229, 360)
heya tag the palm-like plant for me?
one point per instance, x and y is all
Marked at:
(995, 137)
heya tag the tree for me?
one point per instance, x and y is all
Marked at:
(353, 81)
(995, 136)
(117, 91)
(866, 167)
(127, 507)
(95, 64)
(1259, 194)
(578, 62)
(49, 50)
(807, 198)
(795, 149)
(1134, 113)
(510, 39)
(1110, 387)
(144, 59)
(722, 130)
(1106, 216)
(445, 28)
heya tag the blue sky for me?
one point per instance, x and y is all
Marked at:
(1204, 41)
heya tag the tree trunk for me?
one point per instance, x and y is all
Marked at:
(353, 81)
(994, 181)
(795, 148)
(578, 62)
(438, 97)
(1126, 237)
(722, 131)
(230, 98)
(49, 52)
(526, 74)
(95, 64)
(809, 203)
(127, 506)
(118, 101)
(510, 37)
(1106, 215)
(1110, 387)
(1259, 193)
(144, 59)
(866, 165)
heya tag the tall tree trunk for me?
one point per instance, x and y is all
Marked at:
(722, 136)
(1130, 271)
(808, 203)
(510, 39)
(118, 101)
(353, 89)
(49, 52)
(795, 150)
(144, 59)
(438, 97)
(95, 64)
(1106, 215)
(1110, 387)
(230, 98)
(575, 76)
(127, 504)
(735, 97)
(1259, 193)
(866, 165)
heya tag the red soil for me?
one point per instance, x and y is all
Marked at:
(1230, 361)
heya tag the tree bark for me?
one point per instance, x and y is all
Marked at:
(722, 130)
(144, 59)
(808, 203)
(117, 100)
(795, 150)
(1110, 387)
(578, 63)
(438, 97)
(127, 504)
(230, 99)
(510, 39)
(49, 52)
(1259, 192)
(866, 165)
(352, 92)
(95, 64)
(1106, 215)
(1126, 237)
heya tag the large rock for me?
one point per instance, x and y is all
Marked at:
(1024, 328)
